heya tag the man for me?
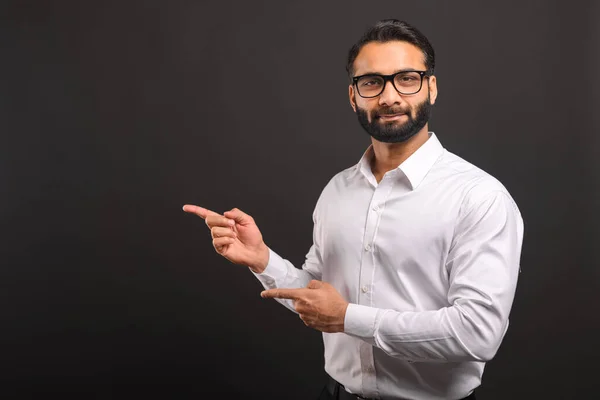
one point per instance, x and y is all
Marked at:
(415, 255)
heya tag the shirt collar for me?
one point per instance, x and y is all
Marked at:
(415, 167)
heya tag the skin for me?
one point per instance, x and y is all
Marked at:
(237, 237)
(388, 58)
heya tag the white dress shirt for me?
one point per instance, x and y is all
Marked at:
(428, 259)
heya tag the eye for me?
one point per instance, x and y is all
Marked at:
(369, 82)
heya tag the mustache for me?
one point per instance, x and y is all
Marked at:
(389, 111)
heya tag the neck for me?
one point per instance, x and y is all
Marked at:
(388, 156)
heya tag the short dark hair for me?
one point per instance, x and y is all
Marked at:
(388, 30)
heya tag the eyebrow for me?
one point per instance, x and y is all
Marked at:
(397, 71)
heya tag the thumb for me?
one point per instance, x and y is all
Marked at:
(314, 284)
(239, 216)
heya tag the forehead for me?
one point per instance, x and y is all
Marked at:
(388, 57)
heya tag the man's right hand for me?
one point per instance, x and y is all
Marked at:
(235, 236)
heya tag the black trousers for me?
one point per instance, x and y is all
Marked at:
(333, 390)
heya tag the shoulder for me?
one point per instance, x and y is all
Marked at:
(341, 180)
(336, 186)
(478, 186)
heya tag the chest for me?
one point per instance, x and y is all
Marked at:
(395, 224)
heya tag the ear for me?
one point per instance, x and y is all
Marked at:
(433, 91)
(352, 98)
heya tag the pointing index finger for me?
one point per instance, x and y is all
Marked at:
(199, 211)
(292, 294)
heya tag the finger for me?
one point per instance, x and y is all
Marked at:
(219, 231)
(199, 211)
(213, 220)
(299, 306)
(239, 216)
(292, 294)
(304, 319)
(219, 243)
(314, 284)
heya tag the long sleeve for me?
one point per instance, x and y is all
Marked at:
(281, 273)
(483, 267)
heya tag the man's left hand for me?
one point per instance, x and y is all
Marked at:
(319, 305)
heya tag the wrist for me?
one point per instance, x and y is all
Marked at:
(343, 316)
(262, 259)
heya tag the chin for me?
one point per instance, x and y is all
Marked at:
(392, 123)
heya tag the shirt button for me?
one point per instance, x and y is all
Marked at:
(364, 289)
(376, 208)
(368, 247)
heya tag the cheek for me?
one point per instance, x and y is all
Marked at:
(414, 106)
(413, 112)
(369, 107)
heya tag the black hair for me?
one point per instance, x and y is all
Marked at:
(388, 30)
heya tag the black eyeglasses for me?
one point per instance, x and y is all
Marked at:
(405, 82)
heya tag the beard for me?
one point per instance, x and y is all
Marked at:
(394, 132)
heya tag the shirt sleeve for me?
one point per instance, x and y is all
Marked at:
(483, 266)
(281, 273)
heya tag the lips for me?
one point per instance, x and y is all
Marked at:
(387, 117)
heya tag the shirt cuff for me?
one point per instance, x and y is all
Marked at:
(360, 321)
(274, 273)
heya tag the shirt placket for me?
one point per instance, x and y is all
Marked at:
(367, 272)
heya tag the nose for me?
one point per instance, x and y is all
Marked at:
(390, 95)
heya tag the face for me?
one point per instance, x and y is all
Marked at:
(392, 117)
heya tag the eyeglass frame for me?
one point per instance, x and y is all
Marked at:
(390, 78)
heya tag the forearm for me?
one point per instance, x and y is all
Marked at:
(451, 334)
(281, 273)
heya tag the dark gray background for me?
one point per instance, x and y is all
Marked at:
(115, 114)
